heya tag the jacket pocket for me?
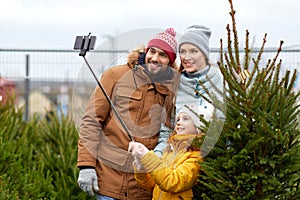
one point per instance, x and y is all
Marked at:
(128, 99)
(130, 93)
(129, 104)
(114, 157)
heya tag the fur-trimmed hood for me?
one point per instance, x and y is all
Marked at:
(134, 55)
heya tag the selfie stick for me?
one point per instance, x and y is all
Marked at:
(86, 43)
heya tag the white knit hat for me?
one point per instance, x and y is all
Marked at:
(194, 112)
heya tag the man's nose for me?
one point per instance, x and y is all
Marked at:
(155, 57)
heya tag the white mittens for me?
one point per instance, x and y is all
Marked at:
(138, 150)
(88, 181)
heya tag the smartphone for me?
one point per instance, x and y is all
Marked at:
(141, 60)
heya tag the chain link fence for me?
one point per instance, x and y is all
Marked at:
(48, 80)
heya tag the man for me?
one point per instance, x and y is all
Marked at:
(143, 96)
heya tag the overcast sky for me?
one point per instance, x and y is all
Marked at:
(55, 23)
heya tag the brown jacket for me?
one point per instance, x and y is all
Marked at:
(103, 142)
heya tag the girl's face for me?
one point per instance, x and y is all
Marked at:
(156, 60)
(185, 124)
(191, 57)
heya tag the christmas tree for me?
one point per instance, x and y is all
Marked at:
(257, 155)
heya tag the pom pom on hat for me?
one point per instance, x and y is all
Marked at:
(198, 36)
(167, 42)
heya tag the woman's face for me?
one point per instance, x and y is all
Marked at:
(191, 57)
(185, 124)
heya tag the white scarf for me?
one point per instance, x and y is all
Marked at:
(189, 83)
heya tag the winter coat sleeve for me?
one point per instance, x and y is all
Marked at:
(145, 180)
(95, 115)
(162, 140)
(173, 178)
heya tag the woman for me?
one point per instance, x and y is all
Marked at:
(173, 175)
(198, 76)
(199, 80)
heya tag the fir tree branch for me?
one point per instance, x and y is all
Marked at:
(235, 36)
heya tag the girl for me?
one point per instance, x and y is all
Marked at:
(173, 175)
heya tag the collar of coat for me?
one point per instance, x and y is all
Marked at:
(181, 141)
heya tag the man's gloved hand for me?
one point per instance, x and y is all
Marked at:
(88, 181)
(138, 150)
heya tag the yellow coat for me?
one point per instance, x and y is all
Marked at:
(173, 175)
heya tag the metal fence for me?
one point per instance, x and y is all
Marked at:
(59, 80)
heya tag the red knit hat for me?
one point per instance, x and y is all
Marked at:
(165, 41)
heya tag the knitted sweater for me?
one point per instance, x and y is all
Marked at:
(189, 87)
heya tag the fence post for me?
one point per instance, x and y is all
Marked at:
(27, 89)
